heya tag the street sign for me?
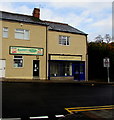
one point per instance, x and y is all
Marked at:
(106, 62)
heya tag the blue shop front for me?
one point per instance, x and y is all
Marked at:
(66, 67)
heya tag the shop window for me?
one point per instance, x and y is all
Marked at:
(18, 62)
(68, 69)
(22, 34)
(60, 69)
(64, 40)
(5, 32)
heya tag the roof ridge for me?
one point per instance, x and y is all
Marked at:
(76, 28)
(16, 13)
(55, 22)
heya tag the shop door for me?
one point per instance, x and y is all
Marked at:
(2, 68)
(79, 71)
(36, 68)
(82, 71)
(76, 72)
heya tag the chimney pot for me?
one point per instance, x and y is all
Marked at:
(36, 13)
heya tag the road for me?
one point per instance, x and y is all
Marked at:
(40, 99)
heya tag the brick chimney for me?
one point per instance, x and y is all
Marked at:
(36, 13)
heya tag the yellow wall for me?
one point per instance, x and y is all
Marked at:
(37, 39)
(77, 44)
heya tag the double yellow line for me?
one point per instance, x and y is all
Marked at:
(80, 109)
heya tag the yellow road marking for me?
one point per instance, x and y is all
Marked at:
(91, 108)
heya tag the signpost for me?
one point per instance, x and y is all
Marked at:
(106, 63)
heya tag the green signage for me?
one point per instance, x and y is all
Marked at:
(15, 50)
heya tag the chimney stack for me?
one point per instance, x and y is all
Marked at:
(36, 13)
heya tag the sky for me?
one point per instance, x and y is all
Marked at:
(90, 16)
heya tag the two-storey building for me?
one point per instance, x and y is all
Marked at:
(35, 49)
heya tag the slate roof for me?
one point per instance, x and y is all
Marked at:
(61, 27)
(54, 26)
(20, 18)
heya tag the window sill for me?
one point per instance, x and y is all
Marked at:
(22, 39)
(62, 76)
(64, 45)
(5, 37)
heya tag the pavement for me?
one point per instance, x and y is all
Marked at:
(103, 114)
(91, 115)
(92, 82)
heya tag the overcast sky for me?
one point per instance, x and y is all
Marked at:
(91, 16)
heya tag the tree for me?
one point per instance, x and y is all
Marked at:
(99, 39)
(96, 53)
(107, 38)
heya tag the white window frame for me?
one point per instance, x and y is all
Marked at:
(5, 32)
(14, 66)
(21, 34)
(64, 40)
(68, 68)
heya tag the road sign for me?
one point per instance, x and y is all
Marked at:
(106, 62)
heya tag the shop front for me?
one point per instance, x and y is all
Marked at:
(25, 62)
(66, 67)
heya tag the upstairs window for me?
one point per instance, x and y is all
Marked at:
(5, 32)
(63, 40)
(22, 34)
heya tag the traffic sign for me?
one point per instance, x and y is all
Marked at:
(106, 62)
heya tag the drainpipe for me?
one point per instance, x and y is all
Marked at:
(46, 52)
(86, 59)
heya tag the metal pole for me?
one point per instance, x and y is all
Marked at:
(108, 74)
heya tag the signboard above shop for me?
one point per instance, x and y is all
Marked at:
(17, 50)
(66, 57)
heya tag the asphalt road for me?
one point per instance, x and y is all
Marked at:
(40, 99)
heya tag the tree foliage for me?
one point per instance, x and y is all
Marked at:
(100, 39)
(96, 53)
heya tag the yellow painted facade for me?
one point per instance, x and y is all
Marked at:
(77, 44)
(77, 47)
(37, 39)
(54, 53)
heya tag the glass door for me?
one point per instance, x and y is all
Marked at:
(76, 71)
(79, 71)
(82, 71)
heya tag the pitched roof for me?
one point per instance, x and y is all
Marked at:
(20, 18)
(62, 27)
(54, 26)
